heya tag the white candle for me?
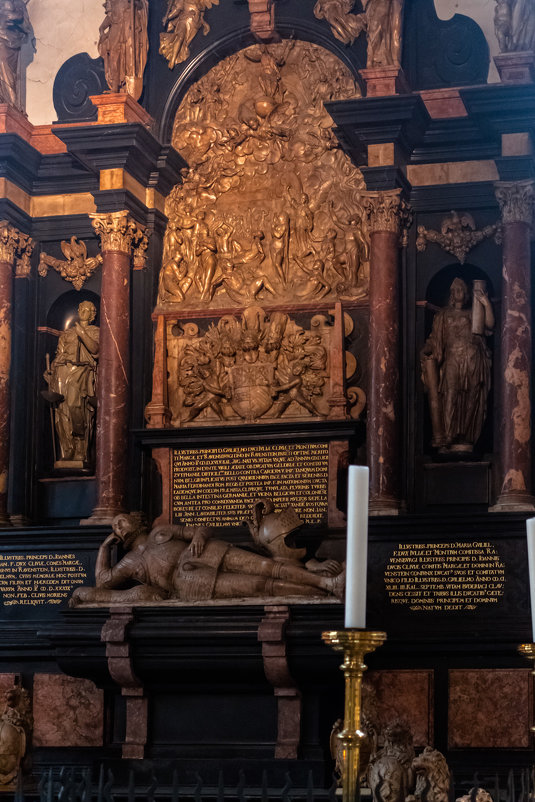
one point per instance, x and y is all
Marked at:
(530, 526)
(357, 546)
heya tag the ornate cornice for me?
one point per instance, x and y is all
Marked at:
(385, 210)
(516, 199)
(118, 231)
(15, 248)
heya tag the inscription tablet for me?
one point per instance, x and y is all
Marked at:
(445, 576)
(217, 486)
(39, 579)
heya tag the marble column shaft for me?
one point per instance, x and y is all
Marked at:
(12, 242)
(516, 202)
(383, 428)
(118, 232)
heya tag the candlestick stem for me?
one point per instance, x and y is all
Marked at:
(354, 643)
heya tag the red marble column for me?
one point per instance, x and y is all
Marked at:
(516, 200)
(118, 233)
(12, 244)
(384, 212)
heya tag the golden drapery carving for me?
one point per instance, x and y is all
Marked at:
(269, 209)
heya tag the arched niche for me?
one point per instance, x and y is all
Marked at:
(64, 309)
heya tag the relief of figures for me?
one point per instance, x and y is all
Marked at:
(456, 368)
(71, 380)
(182, 21)
(269, 209)
(124, 44)
(15, 31)
(187, 564)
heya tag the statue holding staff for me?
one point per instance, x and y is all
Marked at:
(456, 368)
(124, 44)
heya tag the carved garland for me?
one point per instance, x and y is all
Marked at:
(77, 268)
(457, 235)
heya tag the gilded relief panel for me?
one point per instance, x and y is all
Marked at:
(269, 209)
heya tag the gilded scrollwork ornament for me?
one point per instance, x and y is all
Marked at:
(77, 267)
(457, 235)
(118, 231)
(270, 208)
(517, 201)
(15, 248)
(182, 21)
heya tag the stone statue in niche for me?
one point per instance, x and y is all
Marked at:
(182, 21)
(270, 208)
(383, 30)
(456, 368)
(15, 31)
(186, 564)
(16, 724)
(123, 44)
(514, 25)
(71, 380)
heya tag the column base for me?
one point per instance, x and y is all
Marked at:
(102, 516)
(386, 505)
(514, 502)
(20, 520)
(5, 520)
(516, 68)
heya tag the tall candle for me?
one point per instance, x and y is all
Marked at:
(358, 483)
(530, 526)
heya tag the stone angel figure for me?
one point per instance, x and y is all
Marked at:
(124, 44)
(15, 31)
(183, 20)
(345, 26)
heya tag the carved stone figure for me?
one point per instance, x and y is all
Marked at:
(344, 25)
(183, 20)
(390, 770)
(78, 266)
(187, 564)
(383, 27)
(124, 44)
(456, 368)
(514, 25)
(272, 532)
(269, 207)
(15, 30)
(15, 728)
(71, 380)
(475, 795)
(433, 777)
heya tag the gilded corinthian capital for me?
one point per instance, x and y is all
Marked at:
(516, 200)
(15, 248)
(385, 211)
(118, 232)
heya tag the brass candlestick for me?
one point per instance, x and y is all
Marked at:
(354, 643)
(528, 650)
